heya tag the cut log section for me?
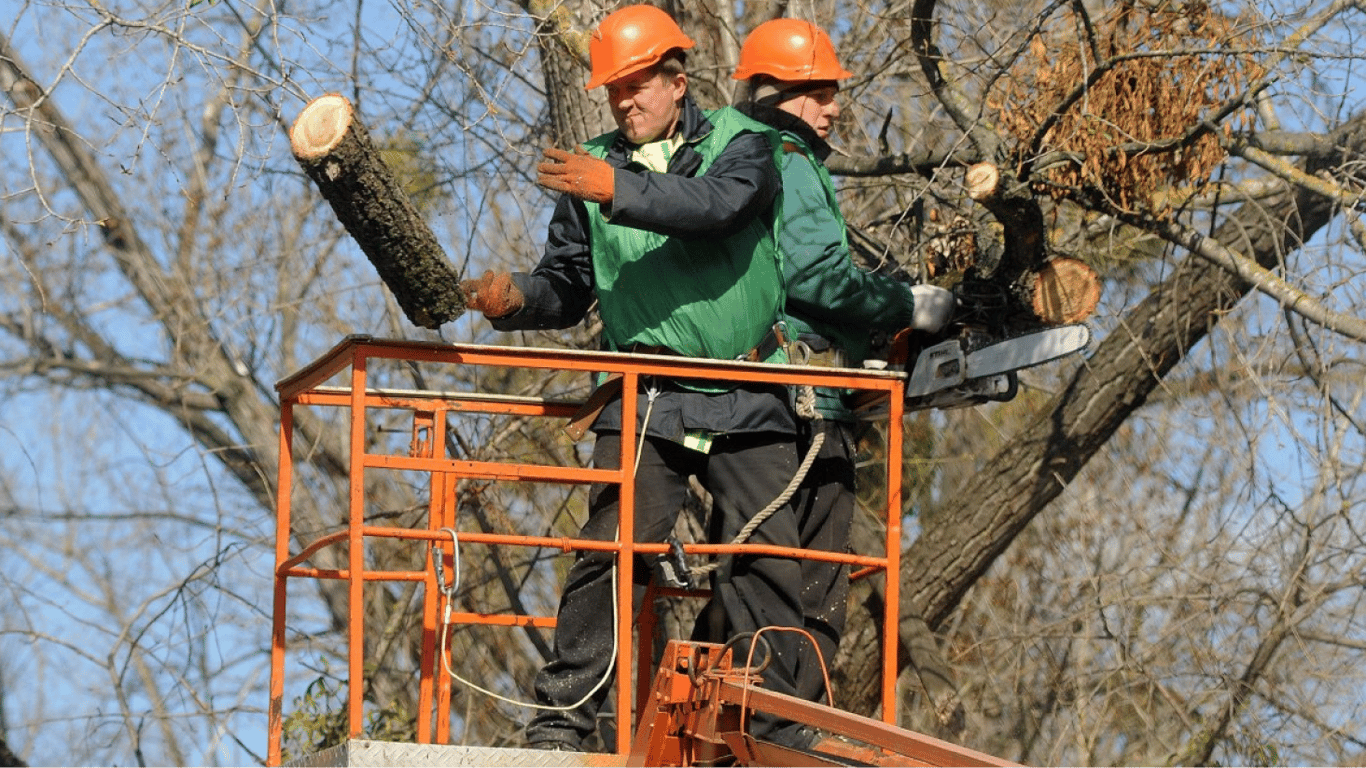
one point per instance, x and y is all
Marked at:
(982, 179)
(1056, 291)
(335, 151)
(1065, 291)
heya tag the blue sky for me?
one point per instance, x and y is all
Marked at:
(55, 447)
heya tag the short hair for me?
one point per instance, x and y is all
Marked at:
(675, 62)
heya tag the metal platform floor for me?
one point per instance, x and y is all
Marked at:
(360, 752)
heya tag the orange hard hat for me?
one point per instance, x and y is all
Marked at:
(790, 50)
(630, 39)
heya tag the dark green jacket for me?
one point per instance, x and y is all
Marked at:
(828, 297)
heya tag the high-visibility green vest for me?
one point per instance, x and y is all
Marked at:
(699, 296)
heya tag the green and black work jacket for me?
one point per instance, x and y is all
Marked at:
(684, 260)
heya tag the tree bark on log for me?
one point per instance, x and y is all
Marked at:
(335, 151)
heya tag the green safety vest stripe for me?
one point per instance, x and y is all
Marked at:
(701, 297)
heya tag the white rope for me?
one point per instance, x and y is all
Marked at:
(445, 652)
(806, 408)
(651, 393)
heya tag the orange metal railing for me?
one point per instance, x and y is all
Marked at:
(309, 388)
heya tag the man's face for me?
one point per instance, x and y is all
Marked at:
(645, 104)
(817, 108)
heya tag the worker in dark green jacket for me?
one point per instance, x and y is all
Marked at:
(832, 305)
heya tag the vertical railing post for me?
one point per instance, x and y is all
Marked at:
(427, 714)
(356, 553)
(626, 525)
(284, 482)
(449, 514)
(892, 602)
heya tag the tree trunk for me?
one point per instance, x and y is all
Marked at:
(1037, 464)
(562, 37)
(335, 151)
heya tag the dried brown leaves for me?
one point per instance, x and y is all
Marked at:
(1157, 72)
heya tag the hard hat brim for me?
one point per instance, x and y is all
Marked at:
(634, 67)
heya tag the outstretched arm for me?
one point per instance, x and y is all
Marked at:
(559, 291)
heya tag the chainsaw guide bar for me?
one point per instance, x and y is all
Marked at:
(950, 375)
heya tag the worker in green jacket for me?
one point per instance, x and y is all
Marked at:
(666, 226)
(793, 76)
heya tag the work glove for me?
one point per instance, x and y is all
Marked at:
(493, 294)
(933, 307)
(578, 173)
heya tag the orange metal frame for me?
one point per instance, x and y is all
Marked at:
(308, 387)
(696, 708)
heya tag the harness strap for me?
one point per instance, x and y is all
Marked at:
(588, 412)
(770, 343)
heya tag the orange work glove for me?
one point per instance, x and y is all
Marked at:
(578, 173)
(493, 294)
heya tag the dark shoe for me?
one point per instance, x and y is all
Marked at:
(802, 737)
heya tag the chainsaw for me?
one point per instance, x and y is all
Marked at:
(975, 359)
(971, 369)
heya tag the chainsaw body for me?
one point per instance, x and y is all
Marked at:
(977, 356)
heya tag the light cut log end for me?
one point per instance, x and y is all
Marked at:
(320, 127)
(982, 180)
(1066, 291)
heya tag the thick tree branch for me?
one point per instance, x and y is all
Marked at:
(1325, 187)
(923, 163)
(1291, 298)
(1279, 142)
(969, 120)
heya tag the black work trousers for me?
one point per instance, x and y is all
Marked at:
(825, 516)
(824, 509)
(743, 472)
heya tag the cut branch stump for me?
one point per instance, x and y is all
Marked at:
(1053, 290)
(335, 151)
(1064, 291)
